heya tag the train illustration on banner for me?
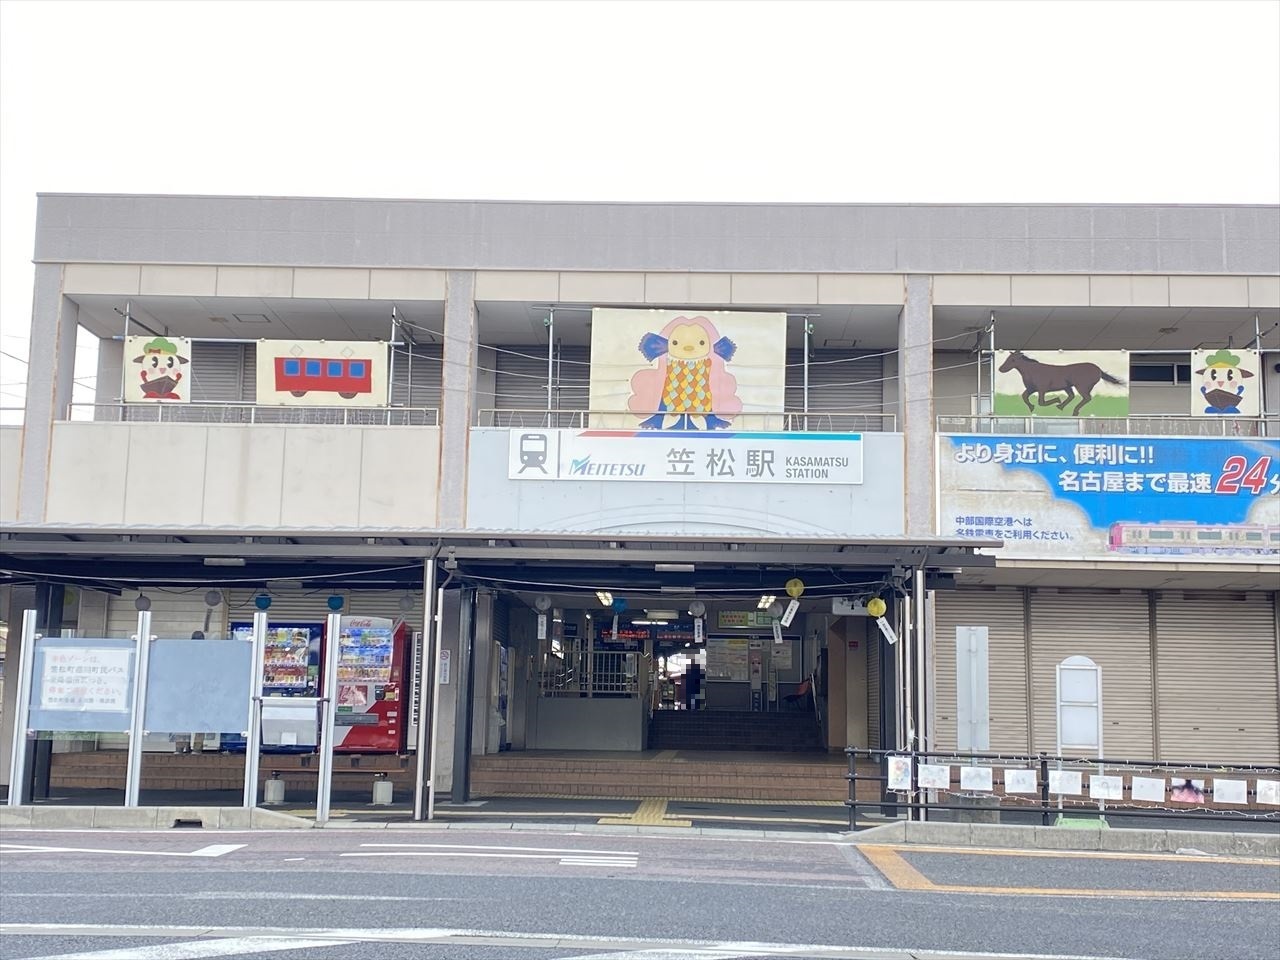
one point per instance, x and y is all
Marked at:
(1192, 539)
(301, 375)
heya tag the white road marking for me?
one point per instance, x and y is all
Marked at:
(563, 851)
(197, 950)
(615, 945)
(212, 850)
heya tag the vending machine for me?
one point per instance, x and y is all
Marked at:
(290, 668)
(372, 696)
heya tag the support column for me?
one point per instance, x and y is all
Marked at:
(50, 376)
(110, 370)
(460, 789)
(457, 395)
(915, 406)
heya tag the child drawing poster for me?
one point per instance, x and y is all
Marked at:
(1061, 383)
(1226, 383)
(163, 371)
(687, 370)
(322, 373)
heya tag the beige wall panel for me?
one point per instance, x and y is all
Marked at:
(255, 282)
(119, 278)
(164, 280)
(677, 289)
(601, 288)
(517, 285)
(243, 476)
(165, 483)
(861, 288)
(1208, 291)
(322, 474)
(87, 473)
(1049, 291)
(855, 663)
(323, 283)
(981, 290)
(10, 471)
(1264, 292)
(1108, 291)
(406, 284)
(1159, 399)
(400, 473)
(775, 288)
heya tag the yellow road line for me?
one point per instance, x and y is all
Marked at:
(889, 861)
(651, 812)
(1082, 854)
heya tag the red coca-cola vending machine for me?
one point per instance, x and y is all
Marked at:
(372, 709)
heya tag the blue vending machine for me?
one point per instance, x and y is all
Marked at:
(290, 668)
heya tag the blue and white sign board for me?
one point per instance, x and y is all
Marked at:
(1205, 498)
(685, 456)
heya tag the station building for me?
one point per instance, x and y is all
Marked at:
(498, 486)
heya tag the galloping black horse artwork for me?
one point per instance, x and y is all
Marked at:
(1041, 378)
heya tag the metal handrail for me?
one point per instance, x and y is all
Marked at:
(786, 421)
(250, 413)
(1141, 425)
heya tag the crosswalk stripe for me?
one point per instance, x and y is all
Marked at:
(199, 949)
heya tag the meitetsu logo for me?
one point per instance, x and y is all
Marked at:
(585, 468)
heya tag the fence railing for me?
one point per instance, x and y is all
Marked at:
(791, 422)
(1053, 786)
(1157, 426)
(248, 413)
(600, 673)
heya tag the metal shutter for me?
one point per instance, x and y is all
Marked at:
(1216, 678)
(1001, 612)
(311, 606)
(520, 381)
(848, 387)
(175, 614)
(425, 388)
(223, 372)
(1113, 630)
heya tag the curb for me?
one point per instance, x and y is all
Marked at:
(147, 818)
(1114, 839)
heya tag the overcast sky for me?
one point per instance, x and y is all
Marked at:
(906, 102)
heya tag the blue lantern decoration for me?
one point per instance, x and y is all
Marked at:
(619, 605)
(335, 603)
(262, 601)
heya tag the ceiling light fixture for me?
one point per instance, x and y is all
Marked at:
(673, 568)
(662, 614)
(650, 623)
(605, 598)
(224, 561)
(766, 600)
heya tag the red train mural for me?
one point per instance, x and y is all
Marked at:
(346, 378)
(1192, 539)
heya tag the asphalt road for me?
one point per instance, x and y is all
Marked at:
(545, 894)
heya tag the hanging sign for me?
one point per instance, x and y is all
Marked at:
(790, 613)
(697, 630)
(542, 626)
(777, 632)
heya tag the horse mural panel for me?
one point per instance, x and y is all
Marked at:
(1032, 385)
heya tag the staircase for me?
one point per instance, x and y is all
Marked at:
(779, 732)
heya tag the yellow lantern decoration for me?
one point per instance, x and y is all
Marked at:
(794, 588)
(876, 607)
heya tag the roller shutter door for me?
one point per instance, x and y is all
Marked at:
(845, 388)
(223, 372)
(176, 613)
(310, 606)
(1113, 630)
(419, 386)
(1001, 612)
(1216, 678)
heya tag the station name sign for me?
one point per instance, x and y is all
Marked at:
(685, 456)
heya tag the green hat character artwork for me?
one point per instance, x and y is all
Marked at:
(1223, 386)
(160, 369)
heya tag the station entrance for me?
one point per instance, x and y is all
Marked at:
(565, 665)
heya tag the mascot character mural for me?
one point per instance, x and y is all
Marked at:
(689, 388)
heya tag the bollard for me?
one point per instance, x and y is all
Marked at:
(383, 790)
(273, 795)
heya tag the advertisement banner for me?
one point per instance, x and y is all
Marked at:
(1061, 383)
(689, 457)
(1087, 498)
(322, 373)
(164, 371)
(686, 370)
(1226, 383)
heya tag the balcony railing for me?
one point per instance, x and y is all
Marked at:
(787, 422)
(248, 413)
(1147, 426)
